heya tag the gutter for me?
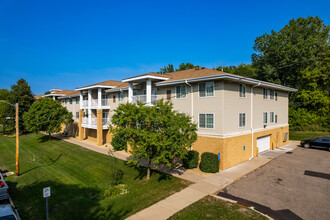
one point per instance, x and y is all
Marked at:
(252, 119)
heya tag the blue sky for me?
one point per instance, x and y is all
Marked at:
(67, 44)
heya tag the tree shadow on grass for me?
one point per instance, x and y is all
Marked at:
(52, 161)
(45, 138)
(142, 174)
(67, 201)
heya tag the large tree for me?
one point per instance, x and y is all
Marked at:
(155, 133)
(46, 115)
(243, 70)
(170, 68)
(5, 110)
(21, 93)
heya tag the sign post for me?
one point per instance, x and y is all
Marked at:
(46, 193)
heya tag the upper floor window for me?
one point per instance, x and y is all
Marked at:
(104, 96)
(206, 89)
(64, 101)
(275, 96)
(272, 117)
(121, 96)
(271, 94)
(114, 98)
(70, 100)
(85, 97)
(77, 100)
(135, 92)
(168, 94)
(181, 91)
(77, 114)
(241, 120)
(265, 118)
(241, 91)
(105, 114)
(265, 93)
(206, 120)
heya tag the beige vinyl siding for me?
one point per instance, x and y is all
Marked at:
(235, 105)
(73, 108)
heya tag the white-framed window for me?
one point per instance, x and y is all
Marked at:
(206, 121)
(64, 101)
(272, 117)
(181, 91)
(105, 114)
(135, 92)
(271, 94)
(77, 100)
(242, 91)
(77, 114)
(242, 120)
(104, 96)
(206, 89)
(265, 117)
(121, 97)
(265, 93)
(70, 101)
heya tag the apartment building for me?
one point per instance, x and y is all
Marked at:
(237, 117)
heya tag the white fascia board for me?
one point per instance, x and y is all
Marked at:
(145, 77)
(66, 97)
(228, 76)
(94, 87)
(53, 95)
(116, 90)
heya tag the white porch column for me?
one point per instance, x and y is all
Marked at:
(89, 106)
(81, 99)
(99, 98)
(148, 92)
(130, 92)
(54, 97)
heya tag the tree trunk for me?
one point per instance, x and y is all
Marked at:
(148, 170)
(50, 136)
(4, 128)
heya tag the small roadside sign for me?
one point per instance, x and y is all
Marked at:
(46, 192)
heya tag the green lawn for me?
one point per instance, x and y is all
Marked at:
(78, 179)
(304, 135)
(212, 208)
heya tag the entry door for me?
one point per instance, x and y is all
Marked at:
(263, 143)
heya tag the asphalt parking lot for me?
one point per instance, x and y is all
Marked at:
(295, 185)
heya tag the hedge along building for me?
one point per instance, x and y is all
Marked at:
(237, 117)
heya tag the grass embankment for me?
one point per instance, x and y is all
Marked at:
(305, 135)
(212, 208)
(78, 179)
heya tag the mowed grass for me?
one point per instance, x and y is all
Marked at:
(212, 208)
(78, 178)
(305, 135)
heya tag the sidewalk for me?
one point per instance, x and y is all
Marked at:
(209, 185)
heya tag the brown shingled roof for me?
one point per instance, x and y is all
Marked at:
(192, 73)
(38, 96)
(105, 83)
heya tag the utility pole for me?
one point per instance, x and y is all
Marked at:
(17, 136)
(17, 141)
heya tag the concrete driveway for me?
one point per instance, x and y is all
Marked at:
(295, 185)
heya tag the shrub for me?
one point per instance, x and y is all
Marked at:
(114, 191)
(209, 163)
(118, 142)
(191, 161)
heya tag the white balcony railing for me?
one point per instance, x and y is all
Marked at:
(85, 103)
(105, 121)
(94, 102)
(93, 121)
(105, 102)
(85, 120)
(143, 98)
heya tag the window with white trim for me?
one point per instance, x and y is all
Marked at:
(135, 92)
(241, 91)
(121, 97)
(181, 91)
(77, 100)
(77, 114)
(265, 118)
(70, 101)
(272, 117)
(206, 89)
(265, 93)
(241, 120)
(271, 94)
(206, 120)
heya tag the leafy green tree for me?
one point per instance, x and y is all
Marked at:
(46, 115)
(282, 56)
(48, 92)
(246, 70)
(167, 69)
(21, 93)
(5, 110)
(155, 133)
(186, 66)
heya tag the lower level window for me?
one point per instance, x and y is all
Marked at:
(206, 120)
(242, 119)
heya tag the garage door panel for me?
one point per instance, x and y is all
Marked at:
(263, 143)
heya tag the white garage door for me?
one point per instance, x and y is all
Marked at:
(263, 143)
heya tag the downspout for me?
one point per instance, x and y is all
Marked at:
(192, 103)
(252, 118)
